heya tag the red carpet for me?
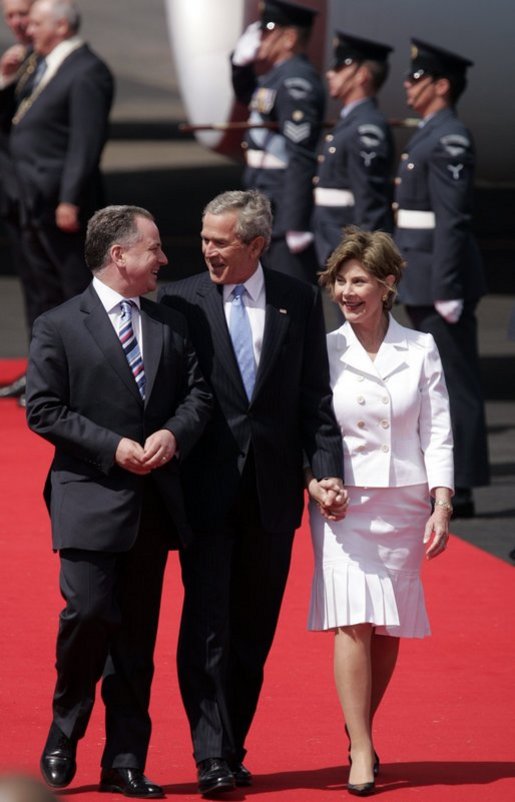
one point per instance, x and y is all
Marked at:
(445, 732)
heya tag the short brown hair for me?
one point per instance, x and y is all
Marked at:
(375, 250)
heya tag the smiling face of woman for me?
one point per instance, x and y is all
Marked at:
(360, 295)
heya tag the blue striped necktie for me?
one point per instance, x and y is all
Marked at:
(241, 336)
(130, 346)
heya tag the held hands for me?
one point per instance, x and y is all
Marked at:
(247, 45)
(331, 497)
(158, 449)
(449, 310)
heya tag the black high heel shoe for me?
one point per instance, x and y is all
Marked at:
(363, 789)
(377, 762)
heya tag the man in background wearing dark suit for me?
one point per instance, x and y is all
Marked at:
(58, 130)
(17, 61)
(260, 340)
(113, 384)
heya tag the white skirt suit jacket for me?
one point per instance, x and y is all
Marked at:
(394, 411)
(397, 443)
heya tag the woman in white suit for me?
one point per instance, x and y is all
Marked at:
(391, 402)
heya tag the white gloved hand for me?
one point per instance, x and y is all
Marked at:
(247, 45)
(450, 310)
(298, 241)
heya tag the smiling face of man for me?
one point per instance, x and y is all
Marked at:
(228, 259)
(139, 262)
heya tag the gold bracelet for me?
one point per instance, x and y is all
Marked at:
(445, 504)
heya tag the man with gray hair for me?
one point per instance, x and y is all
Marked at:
(260, 340)
(113, 384)
(58, 128)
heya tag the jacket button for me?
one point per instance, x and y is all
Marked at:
(385, 399)
(385, 424)
(360, 399)
(385, 449)
(361, 424)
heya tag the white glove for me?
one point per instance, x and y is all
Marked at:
(298, 241)
(450, 310)
(247, 45)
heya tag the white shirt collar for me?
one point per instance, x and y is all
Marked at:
(254, 285)
(109, 298)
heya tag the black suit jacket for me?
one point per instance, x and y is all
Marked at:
(82, 397)
(289, 415)
(57, 143)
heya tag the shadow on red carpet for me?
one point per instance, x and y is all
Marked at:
(445, 732)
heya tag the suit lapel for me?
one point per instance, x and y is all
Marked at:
(390, 358)
(152, 333)
(101, 330)
(276, 326)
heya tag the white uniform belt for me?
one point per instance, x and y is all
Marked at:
(413, 218)
(325, 196)
(262, 160)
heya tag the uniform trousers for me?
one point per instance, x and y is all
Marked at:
(53, 267)
(234, 578)
(108, 629)
(457, 344)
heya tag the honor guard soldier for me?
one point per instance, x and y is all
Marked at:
(355, 168)
(289, 100)
(444, 277)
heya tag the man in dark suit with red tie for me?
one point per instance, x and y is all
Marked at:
(259, 336)
(113, 384)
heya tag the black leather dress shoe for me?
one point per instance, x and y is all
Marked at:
(214, 776)
(242, 776)
(13, 389)
(58, 765)
(130, 782)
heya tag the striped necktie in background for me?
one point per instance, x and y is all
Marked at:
(130, 345)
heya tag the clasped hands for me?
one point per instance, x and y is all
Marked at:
(330, 495)
(157, 450)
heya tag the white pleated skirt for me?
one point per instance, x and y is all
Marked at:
(367, 567)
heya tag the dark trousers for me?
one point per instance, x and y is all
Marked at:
(53, 267)
(108, 628)
(234, 578)
(303, 265)
(457, 344)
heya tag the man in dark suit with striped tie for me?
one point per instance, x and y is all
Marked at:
(113, 384)
(260, 340)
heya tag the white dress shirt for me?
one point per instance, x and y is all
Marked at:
(255, 302)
